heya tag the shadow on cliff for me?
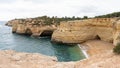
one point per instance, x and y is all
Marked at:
(46, 33)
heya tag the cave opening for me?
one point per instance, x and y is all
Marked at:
(46, 33)
(97, 37)
(28, 32)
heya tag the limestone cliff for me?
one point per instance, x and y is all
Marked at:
(31, 27)
(106, 29)
(9, 23)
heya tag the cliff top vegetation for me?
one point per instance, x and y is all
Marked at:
(111, 15)
(50, 20)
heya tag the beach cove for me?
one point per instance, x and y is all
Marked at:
(42, 45)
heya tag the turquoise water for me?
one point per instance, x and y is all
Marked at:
(20, 43)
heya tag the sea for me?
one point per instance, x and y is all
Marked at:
(42, 45)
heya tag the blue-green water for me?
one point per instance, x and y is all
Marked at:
(20, 43)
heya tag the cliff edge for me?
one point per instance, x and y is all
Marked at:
(34, 27)
(106, 29)
(78, 31)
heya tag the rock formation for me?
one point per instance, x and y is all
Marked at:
(106, 29)
(78, 31)
(12, 59)
(31, 27)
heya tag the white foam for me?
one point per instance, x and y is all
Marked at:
(84, 51)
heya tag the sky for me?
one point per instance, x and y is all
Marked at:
(11, 9)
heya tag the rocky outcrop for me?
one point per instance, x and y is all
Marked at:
(106, 29)
(10, 23)
(31, 27)
(12, 59)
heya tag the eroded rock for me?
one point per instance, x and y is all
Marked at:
(106, 29)
(31, 27)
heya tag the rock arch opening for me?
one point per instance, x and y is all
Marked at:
(47, 33)
(28, 32)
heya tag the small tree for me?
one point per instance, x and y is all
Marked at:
(116, 49)
(85, 17)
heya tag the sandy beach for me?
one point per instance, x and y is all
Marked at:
(94, 47)
(100, 55)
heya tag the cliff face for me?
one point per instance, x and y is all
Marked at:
(106, 29)
(116, 33)
(9, 23)
(31, 27)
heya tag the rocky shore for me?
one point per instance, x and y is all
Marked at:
(77, 31)
(98, 37)
(33, 27)
(12, 59)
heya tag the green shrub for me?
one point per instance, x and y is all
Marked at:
(116, 49)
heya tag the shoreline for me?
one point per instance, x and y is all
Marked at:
(94, 48)
(84, 51)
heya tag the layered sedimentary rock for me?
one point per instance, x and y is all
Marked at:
(31, 27)
(116, 33)
(106, 29)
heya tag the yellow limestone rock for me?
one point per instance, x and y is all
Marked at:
(30, 27)
(106, 29)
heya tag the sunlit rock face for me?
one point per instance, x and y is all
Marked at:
(116, 33)
(106, 29)
(31, 27)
